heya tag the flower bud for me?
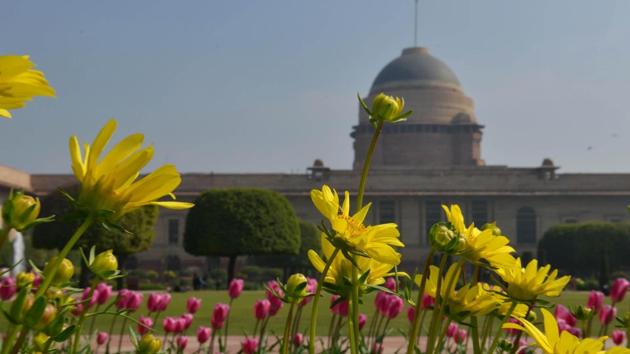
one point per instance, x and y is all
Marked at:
(50, 312)
(496, 231)
(144, 324)
(219, 315)
(193, 304)
(182, 342)
(203, 334)
(104, 292)
(619, 289)
(618, 336)
(169, 324)
(607, 314)
(444, 239)
(296, 287)
(249, 346)
(387, 108)
(149, 344)
(39, 341)
(101, 338)
(362, 320)
(460, 336)
(595, 301)
(583, 313)
(20, 211)
(411, 313)
(261, 309)
(451, 330)
(64, 273)
(104, 262)
(298, 339)
(8, 288)
(25, 279)
(236, 288)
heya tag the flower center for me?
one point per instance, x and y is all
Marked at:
(353, 227)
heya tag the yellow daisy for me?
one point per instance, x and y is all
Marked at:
(110, 183)
(527, 283)
(19, 82)
(377, 241)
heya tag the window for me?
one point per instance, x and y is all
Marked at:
(386, 211)
(480, 212)
(432, 215)
(173, 231)
(526, 225)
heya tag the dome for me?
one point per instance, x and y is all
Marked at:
(414, 66)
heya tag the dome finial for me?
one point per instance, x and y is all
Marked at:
(415, 25)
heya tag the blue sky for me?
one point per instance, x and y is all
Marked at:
(270, 85)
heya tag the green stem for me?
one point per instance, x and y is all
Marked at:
(415, 327)
(63, 254)
(77, 333)
(354, 307)
(111, 330)
(122, 334)
(261, 337)
(313, 325)
(91, 331)
(287, 330)
(433, 326)
(20, 341)
(449, 287)
(366, 164)
(475, 335)
(227, 323)
(499, 332)
(6, 345)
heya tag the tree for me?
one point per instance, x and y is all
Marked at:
(234, 222)
(309, 240)
(139, 224)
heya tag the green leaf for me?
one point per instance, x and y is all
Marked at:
(35, 313)
(18, 304)
(64, 335)
(9, 317)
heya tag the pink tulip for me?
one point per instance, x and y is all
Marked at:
(261, 309)
(381, 302)
(169, 324)
(249, 346)
(460, 336)
(563, 325)
(298, 339)
(77, 310)
(427, 301)
(396, 305)
(311, 288)
(276, 305)
(219, 315)
(193, 304)
(451, 330)
(619, 289)
(236, 288)
(203, 334)
(86, 294)
(123, 299)
(101, 338)
(104, 292)
(274, 292)
(340, 308)
(563, 313)
(152, 302)
(411, 313)
(37, 281)
(512, 331)
(362, 320)
(390, 284)
(595, 301)
(8, 288)
(186, 320)
(607, 314)
(618, 336)
(144, 324)
(182, 342)
(135, 300)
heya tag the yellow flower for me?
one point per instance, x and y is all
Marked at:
(554, 342)
(376, 241)
(19, 82)
(480, 244)
(110, 183)
(527, 283)
(340, 271)
(385, 108)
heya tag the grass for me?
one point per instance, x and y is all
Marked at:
(242, 320)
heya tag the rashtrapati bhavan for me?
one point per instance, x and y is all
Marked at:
(432, 158)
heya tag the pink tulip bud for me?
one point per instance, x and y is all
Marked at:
(144, 324)
(104, 292)
(427, 301)
(396, 305)
(187, 320)
(595, 301)
(340, 308)
(249, 346)
(135, 300)
(381, 302)
(219, 315)
(193, 304)
(619, 289)
(165, 300)
(182, 342)
(607, 314)
(236, 288)
(513, 331)
(452, 329)
(276, 305)
(152, 302)
(169, 324)
(298, 339)
(362, 320)
(618, 336)
(101, 338)
(123, 299)
(563, 325)
(411, 313)
(563, 313)
(179, 325)
(274, 292)
(460, 336)
(311, 288)
(261, 309)
(77, 310)
(85, 297)
(37, 281)
(390, 284)
(203, 334)
(8, 288)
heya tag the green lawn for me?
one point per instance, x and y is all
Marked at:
(242, 319)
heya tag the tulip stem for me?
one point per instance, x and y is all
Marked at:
(313, 326)
(433, 326)
(287, 329)
(122, 333)
(354, 312)
(367, 162)
(227, 323)
(77, 333)
(415, 327)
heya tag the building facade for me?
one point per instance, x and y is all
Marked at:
(431, 159)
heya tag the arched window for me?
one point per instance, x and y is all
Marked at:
(526, 225)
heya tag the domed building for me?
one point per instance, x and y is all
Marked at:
(431, 159)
